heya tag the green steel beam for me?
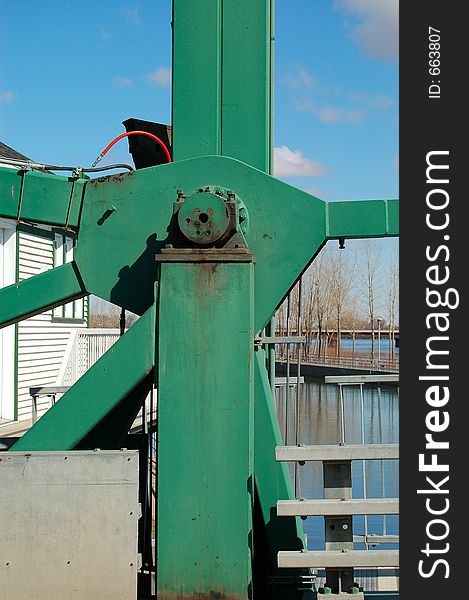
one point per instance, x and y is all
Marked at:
(112, 431)
(272, 481)
(222, 82)
(246, 77)
(42, 292)
(40, 197)
(196, 96)
(362, 219)
(205, 430)
(98, 394)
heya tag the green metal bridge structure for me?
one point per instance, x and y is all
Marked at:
(204, 250)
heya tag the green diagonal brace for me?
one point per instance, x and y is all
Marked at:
(273, 482)
(40, 197)
(42, 292)
(98, 392)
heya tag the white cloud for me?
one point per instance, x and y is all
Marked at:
(160, 76)
(131, 14)
(331, 115)
(290, 163)
(300, 78)
(7, 97)
(376, 101)
(377, 32)
(104, 33)
(122, 82)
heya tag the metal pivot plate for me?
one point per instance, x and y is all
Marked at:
(204, 218)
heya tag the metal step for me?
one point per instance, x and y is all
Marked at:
(280, 339)
(292, 380)
(338, 452)
(376, 539)
(341, 559)
(357, 379)
(333, 507)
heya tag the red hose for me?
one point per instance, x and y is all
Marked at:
(119, 137)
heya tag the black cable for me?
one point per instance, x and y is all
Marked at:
(44, 167)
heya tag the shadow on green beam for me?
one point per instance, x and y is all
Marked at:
(111, 382)
(112, 432)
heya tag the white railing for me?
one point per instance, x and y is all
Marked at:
(361, 362)
(84, 348)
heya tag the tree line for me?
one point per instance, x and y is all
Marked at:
(353, 288)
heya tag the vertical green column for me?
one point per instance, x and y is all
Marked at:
(196, 78)
(222, 80)
(205, 430)
(247, 81)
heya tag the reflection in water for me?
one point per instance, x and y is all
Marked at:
(319, 423)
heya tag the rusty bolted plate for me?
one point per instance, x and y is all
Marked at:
(204, 218)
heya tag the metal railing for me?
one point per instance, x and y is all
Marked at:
(359, 361)
(84, 348)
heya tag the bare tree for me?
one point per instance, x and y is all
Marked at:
(353, 320)
(341, 270)
(371, 256)
(334, 287)
(320, 297)
(393, 298)
(103, 314)
(308, 311)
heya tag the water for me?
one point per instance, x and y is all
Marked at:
(363, 345)
(319, 410)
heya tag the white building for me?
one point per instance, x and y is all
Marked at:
(32, 353)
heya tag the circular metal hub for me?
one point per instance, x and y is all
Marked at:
(203, 218)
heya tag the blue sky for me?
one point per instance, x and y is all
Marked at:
(71, 72)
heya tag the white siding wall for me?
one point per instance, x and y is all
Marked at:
(41, 341)
(7, 334)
